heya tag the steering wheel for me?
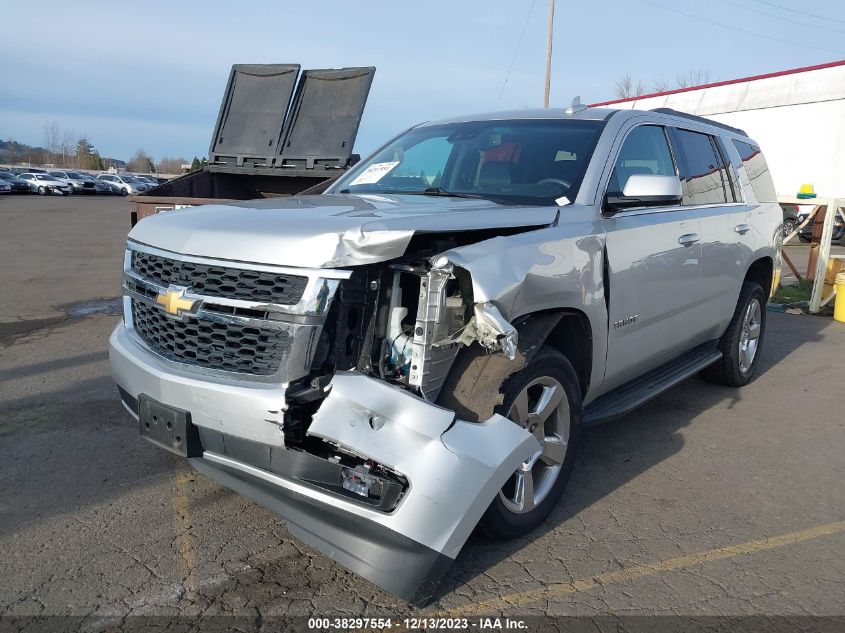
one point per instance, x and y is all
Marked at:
(555, 181)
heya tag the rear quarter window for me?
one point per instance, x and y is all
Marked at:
(757, 171)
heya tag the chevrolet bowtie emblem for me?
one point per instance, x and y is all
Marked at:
(173, 301)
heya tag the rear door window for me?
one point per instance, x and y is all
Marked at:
(703, 175)
(757, 170)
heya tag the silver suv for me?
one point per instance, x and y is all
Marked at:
(123, 184)
(417, 351)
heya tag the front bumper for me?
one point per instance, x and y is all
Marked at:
(454, 468)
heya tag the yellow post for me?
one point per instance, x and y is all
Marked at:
(839, 306)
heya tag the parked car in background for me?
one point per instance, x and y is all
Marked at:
(151, 181)
(45, 184)
(101, 187)
(124, 184)
(837, 237)
(27, 170)
(5, 187)
(156, 180)
(17, 185)
(79, 183)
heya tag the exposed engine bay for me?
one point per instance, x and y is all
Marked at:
(402, 322)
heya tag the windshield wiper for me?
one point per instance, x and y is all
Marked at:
(428, 191)
(438, 191)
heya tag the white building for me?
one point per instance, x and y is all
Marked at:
(797, 116)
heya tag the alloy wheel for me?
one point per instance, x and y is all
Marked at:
(542, 408)
(749, 339)
(788, 227)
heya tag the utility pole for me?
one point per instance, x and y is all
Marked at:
(549, 38)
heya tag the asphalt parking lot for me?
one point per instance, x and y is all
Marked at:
(707, 501)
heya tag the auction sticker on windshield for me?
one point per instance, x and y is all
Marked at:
(374, 173)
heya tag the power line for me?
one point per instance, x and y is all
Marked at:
(806, 13)
(783, 18)
(513, 59)
(740, 30)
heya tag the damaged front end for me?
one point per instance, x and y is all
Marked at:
(353, 449)
(369, 404)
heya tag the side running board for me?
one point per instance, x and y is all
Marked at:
(631, 395)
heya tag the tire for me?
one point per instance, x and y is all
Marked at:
(124, 192)
(788, 226)
(742, 342)
(551, 469)
(42, 190)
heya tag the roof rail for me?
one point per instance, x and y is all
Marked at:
(700, 119)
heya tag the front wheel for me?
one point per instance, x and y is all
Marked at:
(42, 190)
(742, 341)
(124, 192)
(545, 399)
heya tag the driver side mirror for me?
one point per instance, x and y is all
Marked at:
(645, 190)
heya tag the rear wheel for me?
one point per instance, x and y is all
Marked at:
(742, 341)
(545, 399)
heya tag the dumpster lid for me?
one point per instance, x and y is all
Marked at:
(324, 118)
(252, 114)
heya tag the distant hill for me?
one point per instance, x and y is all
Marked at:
(13, 152)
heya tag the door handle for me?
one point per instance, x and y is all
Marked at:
(742, 229)
(688, 239)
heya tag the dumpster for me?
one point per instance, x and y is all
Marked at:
(279, 132)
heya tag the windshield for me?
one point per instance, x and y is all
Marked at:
(522, 162)
(75, 176)
(45, 177)
(6, 175)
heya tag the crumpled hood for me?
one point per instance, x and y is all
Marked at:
(324, 231)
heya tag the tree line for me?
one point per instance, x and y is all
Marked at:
(142, 162)
(627, 87)
(65, 148)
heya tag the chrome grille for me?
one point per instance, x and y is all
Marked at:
(222, 333)
(209, 344)
(219, 281)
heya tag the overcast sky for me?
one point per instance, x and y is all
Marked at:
(151, 75)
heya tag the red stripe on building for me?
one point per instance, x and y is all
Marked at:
(780, 73)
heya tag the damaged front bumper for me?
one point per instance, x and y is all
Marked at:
(453, 468)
